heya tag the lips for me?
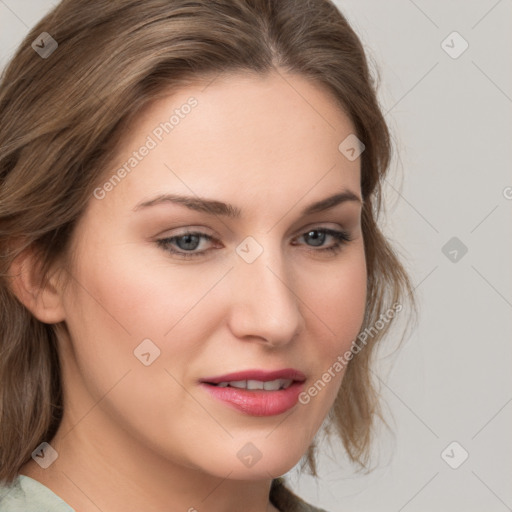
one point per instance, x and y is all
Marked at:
(257, 375)
(257, 392)
(251, 385)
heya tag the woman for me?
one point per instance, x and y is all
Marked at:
(192, 272)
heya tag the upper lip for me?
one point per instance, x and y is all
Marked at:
(261, 375)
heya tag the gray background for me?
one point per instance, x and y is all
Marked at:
(451, 381)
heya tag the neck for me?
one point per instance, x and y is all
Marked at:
(98, 468)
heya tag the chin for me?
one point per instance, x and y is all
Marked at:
(261, 470)
(259, 460)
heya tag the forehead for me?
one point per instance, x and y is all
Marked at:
(238, 135)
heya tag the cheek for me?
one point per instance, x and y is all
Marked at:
(111, 309)
(132, 295)
(337, 299)
(124, 297)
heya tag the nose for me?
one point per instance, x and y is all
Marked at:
(264, 304)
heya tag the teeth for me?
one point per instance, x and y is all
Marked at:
(254, 384)
(242, 384)
(271, 385)
(285, 383)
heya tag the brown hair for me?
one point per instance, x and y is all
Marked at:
(63, 116)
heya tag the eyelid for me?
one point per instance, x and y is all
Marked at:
(199, 230)
(341, 237)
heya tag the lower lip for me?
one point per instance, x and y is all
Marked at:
(257, 402)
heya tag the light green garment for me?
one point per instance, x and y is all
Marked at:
(25, 494)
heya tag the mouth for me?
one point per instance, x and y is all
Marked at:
(256, 377)
(257, 392)
(251, 385)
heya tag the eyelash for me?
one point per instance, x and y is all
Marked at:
(341, 237)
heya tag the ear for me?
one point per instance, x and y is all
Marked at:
(43, 300)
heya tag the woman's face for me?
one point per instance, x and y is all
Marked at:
(153, 313)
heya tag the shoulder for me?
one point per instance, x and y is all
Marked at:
(24, 494)
(286, 501)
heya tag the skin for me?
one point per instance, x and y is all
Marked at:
(137, 437)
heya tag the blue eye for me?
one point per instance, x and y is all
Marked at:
(318, 236)
(185, 245)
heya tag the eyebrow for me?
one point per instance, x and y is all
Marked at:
(214, 207)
